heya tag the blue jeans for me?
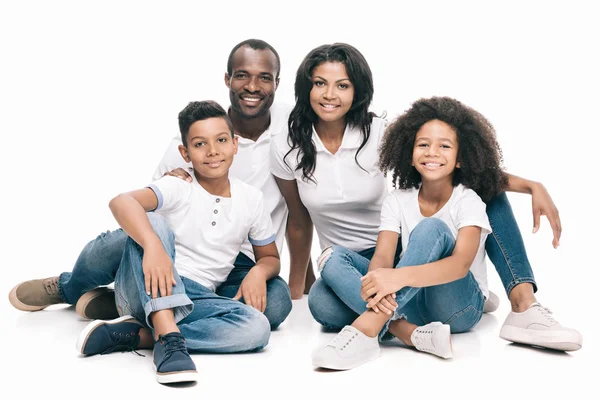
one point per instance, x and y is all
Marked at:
(209, 322)
(458, 303)
(504, 247)
(99, 262)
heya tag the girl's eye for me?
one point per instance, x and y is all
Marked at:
(344, 86)
(319, 83)
(222, 140)
(422, 145)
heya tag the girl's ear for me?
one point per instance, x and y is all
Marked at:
(458, 164)
(184, 153)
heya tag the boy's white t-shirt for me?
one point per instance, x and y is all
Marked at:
(210, 230)
(345, 202)
(401, 213)
(250, 165)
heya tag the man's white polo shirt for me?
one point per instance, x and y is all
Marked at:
(210, 230)
(345, 202)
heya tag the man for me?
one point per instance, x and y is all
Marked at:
(252, 77)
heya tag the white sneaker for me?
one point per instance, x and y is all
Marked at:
(349, 349)
(536, 327)
(491, 303)
(433, 338)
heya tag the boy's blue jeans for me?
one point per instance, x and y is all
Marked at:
(504, 247)
(209, 322)
(99, 262)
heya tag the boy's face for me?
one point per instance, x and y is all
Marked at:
(210, 148)
(253, 81)
(436, 150)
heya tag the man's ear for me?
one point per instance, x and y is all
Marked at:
(227, 79)
(276, 83)
(184, 153)
(235, 145)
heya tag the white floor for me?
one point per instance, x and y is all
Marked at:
(40, 361)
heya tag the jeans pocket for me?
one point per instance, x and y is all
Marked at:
(464, 320)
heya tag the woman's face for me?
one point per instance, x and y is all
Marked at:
(332, 92)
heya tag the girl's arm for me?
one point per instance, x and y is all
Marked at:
(129, 210)
(541, 204)
(299, 236)
(381, 282)
(385, 249)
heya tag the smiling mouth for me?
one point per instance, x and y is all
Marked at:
(432, 166)
(251, 100)
(214, 164)
(329, 107)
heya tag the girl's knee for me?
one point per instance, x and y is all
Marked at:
(430, 229)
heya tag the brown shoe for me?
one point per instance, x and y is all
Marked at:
(98, 303)
(35, 295)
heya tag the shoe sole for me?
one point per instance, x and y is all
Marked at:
(86, 332)
(87, 298)
(345, 367)
(561, 340)
(176, 377)
(12, 297)
(491, 304)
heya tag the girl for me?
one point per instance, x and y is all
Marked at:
(327, 170)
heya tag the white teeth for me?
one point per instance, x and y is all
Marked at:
(432, 165)
(329, 105)
(251, 99)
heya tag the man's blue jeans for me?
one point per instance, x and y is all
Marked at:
(209, 322)
(504, 247)
(99, 262)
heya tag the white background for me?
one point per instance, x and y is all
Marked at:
(89, 96)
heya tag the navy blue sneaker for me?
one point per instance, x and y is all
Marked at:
(103, 337)
(172, 360)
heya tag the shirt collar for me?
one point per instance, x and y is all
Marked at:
(352, 139)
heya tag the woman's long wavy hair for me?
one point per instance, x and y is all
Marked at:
(480, 156)
(303, 116)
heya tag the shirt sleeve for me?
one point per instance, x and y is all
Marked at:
(470, 211)
(171, 193)
(279, 167)
(261, 231)
(390, 214)
(171, 160)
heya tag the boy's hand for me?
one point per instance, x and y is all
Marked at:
(254, 289)
(158, 272)
(179, 173)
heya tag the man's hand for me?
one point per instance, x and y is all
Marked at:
(254, 289)
(158, 272)
(179, 173)
(542, 204)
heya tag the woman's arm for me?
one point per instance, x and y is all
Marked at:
(541, 204)
(299, 236)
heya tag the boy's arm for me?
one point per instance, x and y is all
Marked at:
(254, 286)
(381, 282)
(129, 209)
(541, 204)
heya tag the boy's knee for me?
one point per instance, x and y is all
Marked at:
(257, 332)
(161, 227)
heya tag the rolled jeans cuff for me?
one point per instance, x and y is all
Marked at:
(181, 304)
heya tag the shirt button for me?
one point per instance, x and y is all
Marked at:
(216, 211)
(218, 200)
(214, 223)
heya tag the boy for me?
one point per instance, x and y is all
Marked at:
(171, 266)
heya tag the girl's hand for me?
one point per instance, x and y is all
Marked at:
(387, 305)
(542, 204)
(378, 284)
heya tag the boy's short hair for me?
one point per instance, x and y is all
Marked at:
(199, 111)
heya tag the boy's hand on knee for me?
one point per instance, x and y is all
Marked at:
(158, 272)
(254, 290)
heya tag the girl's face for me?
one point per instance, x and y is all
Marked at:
(332, 92)
(436, 151)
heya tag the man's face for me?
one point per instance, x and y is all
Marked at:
(253, 81)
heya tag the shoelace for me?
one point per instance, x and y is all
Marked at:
(173, 344)
(546, 313)
(343, 339)
(51, 286)
(125, 342)
(422, 340)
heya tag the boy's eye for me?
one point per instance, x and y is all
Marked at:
(199, 144)
(222, 140)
